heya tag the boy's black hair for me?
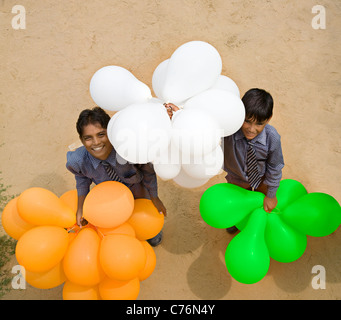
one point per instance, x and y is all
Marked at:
(93, 116)
(258, 105)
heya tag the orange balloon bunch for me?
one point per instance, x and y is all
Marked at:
(107, 259)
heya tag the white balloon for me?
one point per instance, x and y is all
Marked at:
(207, 166)
(176, 114)
(111, 124)
(113, 88)
(140, 132)
(193, 67)
(225, 107)
(159, 77)
(195, 132)
(155, 100)
(226, 83)
(167, 171)
(168, 164)
(185, 181)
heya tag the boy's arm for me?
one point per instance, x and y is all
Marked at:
(83, 188)
(82, 185)
(150, 183)
(273, 174)
(82, 182)
(149, 178)
(79, 216)
(274, 166)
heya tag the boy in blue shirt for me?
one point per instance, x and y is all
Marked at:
(96, 161)
(255, 133)
(258, 141)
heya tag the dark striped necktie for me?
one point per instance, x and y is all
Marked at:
(111, 172)
(252, 168)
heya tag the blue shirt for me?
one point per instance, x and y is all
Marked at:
(267, 146)
(88, 169)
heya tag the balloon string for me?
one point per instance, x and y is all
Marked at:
(100, 232)
(71, 228)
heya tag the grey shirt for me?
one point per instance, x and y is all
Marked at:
(139, 178)
(267, 146)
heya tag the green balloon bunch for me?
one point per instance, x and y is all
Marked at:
(281, 234)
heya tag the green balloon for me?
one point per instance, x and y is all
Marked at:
(315, 214)
(242, 224)
(285, 244)
(247, 257)
(289, 190)
(224, 205)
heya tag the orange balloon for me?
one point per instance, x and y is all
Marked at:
(72, 236)
(13, 224)
(150, 262)
(73, 232)
(146, 219)
(108, 204)
(122, 257)
(81, 262)
(46, 280)
(42, 248)
(124, 228)
(72, 291)
(110, 289)
(39, 206)
(70, 198)
(91, 226)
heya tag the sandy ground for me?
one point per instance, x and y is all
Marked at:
(44, 81)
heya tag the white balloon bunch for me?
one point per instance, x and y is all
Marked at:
(187, 148)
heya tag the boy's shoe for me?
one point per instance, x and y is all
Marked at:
(156, 240)
(232, 230)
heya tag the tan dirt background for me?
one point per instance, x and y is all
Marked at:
(44, 81)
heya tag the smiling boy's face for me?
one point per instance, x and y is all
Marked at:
(96, 142)
(251, 128)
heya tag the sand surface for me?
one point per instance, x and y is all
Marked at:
(44, 80)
